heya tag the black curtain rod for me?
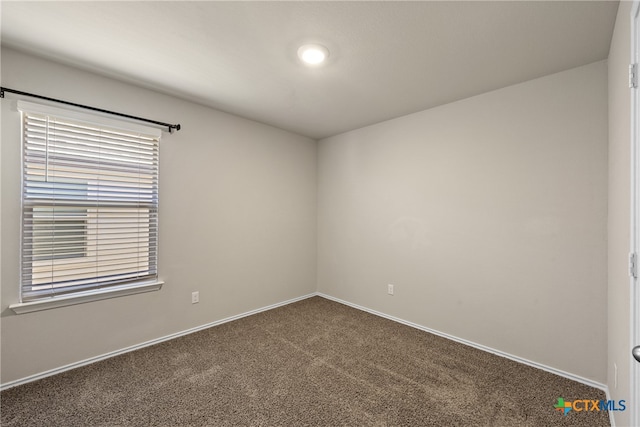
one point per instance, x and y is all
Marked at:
(169, 126)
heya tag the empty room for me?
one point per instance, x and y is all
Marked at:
(319, 213)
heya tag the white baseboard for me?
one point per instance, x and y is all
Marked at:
(612, 419)
(518, 359)
(90, 360)
(95, 359)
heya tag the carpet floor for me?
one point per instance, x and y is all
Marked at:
(311, 363)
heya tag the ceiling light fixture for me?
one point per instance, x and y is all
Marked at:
(313, 54)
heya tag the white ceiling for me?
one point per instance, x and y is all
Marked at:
(387, 59)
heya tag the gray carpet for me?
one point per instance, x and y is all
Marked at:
(311, 363)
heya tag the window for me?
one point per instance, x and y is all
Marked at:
(89, 204)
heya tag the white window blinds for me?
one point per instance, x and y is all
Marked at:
(89, 203)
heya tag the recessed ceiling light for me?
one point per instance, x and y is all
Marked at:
(313, 54)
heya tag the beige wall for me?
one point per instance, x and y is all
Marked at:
(237, 223)
(619, 211)
(488, 215)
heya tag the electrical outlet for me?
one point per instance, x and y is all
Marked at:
(390, 289)
(195, 297)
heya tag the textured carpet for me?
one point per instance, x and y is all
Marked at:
(313, 363)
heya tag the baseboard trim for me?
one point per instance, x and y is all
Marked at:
(612, 418)
(518, 359)
(95, 359)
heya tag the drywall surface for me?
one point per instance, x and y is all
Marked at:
(489, 215)
(237, 222)
(619, 210)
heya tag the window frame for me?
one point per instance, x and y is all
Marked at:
(97, 293)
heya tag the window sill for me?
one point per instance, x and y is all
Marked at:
(82, 297)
